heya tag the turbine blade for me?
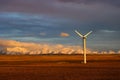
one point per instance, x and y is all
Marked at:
(79, 33)
(87, 34)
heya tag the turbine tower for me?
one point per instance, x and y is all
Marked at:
(84, 37)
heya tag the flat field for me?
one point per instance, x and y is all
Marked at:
(59, 67)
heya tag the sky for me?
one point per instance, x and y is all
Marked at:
(54, 22)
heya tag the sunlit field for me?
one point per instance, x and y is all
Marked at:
(60, 67)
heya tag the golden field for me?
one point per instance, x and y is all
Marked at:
(60, 67)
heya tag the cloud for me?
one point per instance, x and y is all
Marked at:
(16, 50)
(24, 20)
(20, 48)
(98, 12)
(108, 31)
(10, 43)
(56, 8)
(63, 34)
(110, 2)
(43, 34)
(16, 47)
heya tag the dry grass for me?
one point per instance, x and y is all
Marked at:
(59, 67)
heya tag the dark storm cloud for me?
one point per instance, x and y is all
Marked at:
(4, 2)
(25, 25)
(84, 13)
(32, 6)
(81, 15)
(26, 20)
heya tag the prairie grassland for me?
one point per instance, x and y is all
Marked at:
(98, 57)
(59, 67)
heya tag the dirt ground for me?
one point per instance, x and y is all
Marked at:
(60, 67)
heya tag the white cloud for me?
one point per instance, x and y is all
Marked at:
(16, 47)
(63, 34)
(108, 31)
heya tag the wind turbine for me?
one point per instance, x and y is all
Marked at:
(84, 37)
